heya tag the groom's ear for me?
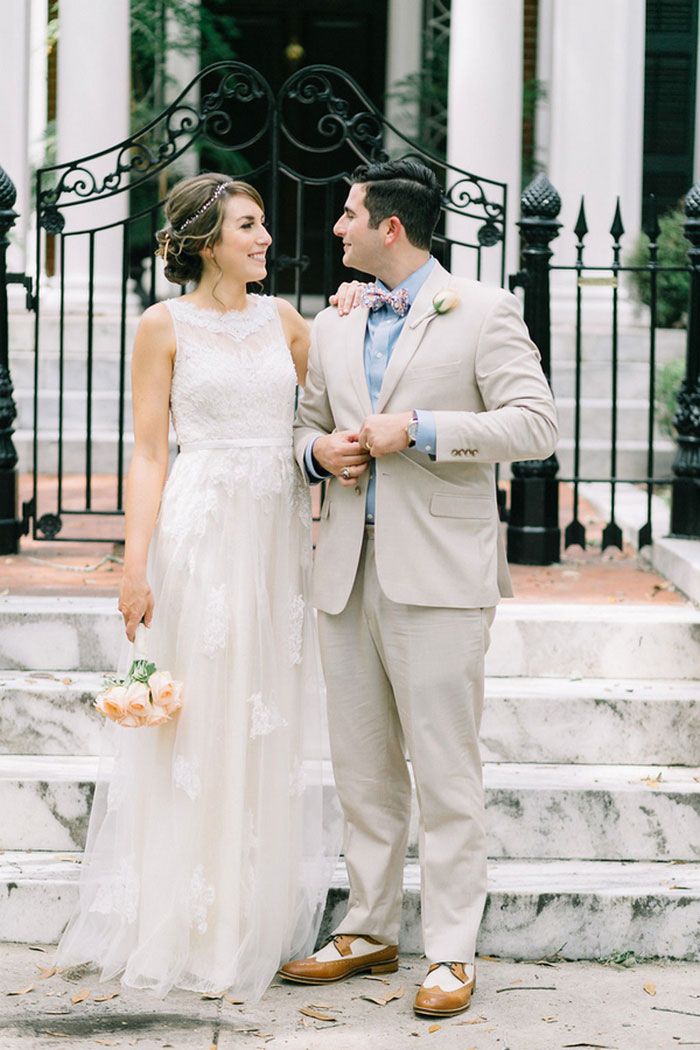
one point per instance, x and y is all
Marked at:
(393, 229)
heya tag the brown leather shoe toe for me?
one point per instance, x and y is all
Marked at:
(436, 1002)
(345, 964)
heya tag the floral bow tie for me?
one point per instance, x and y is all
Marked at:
(375, 297)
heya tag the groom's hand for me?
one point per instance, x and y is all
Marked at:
(385, 433)
(340, 454)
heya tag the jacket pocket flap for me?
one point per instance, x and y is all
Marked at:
(449, 505)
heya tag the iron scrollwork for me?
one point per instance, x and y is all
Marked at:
(174, 131)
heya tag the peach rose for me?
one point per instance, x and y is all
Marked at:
(157, 715)
(137, 703)
(111, 702)
(166, 693)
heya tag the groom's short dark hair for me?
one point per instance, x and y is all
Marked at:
(406, 189)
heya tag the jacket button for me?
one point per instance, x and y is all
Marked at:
(358, 490)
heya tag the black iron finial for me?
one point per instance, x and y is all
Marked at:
(691, 205)
(540, 198)
(581, 227)
(8, 193)
(617, 229)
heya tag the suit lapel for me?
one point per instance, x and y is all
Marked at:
(411, 338)
(355, 326)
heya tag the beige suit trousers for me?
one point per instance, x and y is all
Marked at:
(407, 678)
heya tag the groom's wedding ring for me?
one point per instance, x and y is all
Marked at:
(345, 473)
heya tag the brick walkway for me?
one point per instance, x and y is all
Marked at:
(74, 568)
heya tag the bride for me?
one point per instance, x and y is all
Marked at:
(207, 863)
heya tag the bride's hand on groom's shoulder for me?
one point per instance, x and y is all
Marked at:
(135, 603)
(348, 296)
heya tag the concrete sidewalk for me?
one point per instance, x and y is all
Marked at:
(517, 1006)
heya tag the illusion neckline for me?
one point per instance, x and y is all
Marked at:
(212, 312)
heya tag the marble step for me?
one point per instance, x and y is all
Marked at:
(627, 720)
(631, 462)
(105, 409)
(533, 811)
(525, 719)
(528, 640)
(580, 910)
(632, 419)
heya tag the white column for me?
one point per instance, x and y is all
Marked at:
(596, 126)
(485, 109)
(93, 113)
(14, 122)
(403, 57)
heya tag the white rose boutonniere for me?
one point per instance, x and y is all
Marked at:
(443, 301)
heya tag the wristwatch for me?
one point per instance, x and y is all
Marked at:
(412, 430)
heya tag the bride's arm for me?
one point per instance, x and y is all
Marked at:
(298, 336)
(151, 376)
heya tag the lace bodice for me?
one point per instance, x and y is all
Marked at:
(234, 377)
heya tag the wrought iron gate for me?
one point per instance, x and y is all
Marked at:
(96, 221)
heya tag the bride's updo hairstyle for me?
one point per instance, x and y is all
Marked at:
(195, 213)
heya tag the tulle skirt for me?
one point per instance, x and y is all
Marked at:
(213, 837)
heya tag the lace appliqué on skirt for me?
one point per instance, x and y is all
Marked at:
(264, 718)
(297, 606)
(186, 777)
(200, 897)
(119, 894)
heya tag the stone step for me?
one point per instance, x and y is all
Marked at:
(596, 379)
(106, 370)
(632, 346)
(525, 720)
(104, 450)
(595, 460)
(529, 640)
(627, 721)
(105, 410)
(580, 910)
(596, 419)
(533, 811)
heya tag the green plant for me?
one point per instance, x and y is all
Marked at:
(672, 286)
(668, 379)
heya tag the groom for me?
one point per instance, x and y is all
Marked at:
(407, 407)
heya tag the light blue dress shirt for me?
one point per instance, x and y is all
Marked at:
(384, 326)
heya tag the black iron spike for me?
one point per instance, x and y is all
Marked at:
(617, 229)
(612, 536)
(651, 226)
(644, 538)
(575, 535)
(581, 227)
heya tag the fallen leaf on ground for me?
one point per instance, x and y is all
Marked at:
(653, 782)
(64, 856)
(319, 1006)
(35, 947)
(23, 991)
(59, 1035)
(317, 1014)
(210, 995)
(434, 1028)
(398, 994)
(66, 681)
(80, 997)
(650, 988)
(550, 1020)
(234, 1002)
(475, 1020)
(490, 958)
(382, 980)
(46, 972)
(104, 998)
(106, 1042)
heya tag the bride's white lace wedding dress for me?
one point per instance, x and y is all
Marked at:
(206, 863)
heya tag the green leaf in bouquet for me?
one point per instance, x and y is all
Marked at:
(141, 670)
(112, 679)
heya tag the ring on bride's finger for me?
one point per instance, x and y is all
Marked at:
(345, 473)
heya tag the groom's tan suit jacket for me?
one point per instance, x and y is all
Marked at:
(437, 534)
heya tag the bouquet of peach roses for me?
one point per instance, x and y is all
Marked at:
(145, 697)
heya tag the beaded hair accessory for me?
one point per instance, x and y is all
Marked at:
(207, 204)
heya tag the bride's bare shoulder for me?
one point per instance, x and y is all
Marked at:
(155, 330)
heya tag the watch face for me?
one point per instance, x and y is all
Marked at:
(412, 430)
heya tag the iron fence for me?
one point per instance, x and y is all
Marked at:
(533, 531)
